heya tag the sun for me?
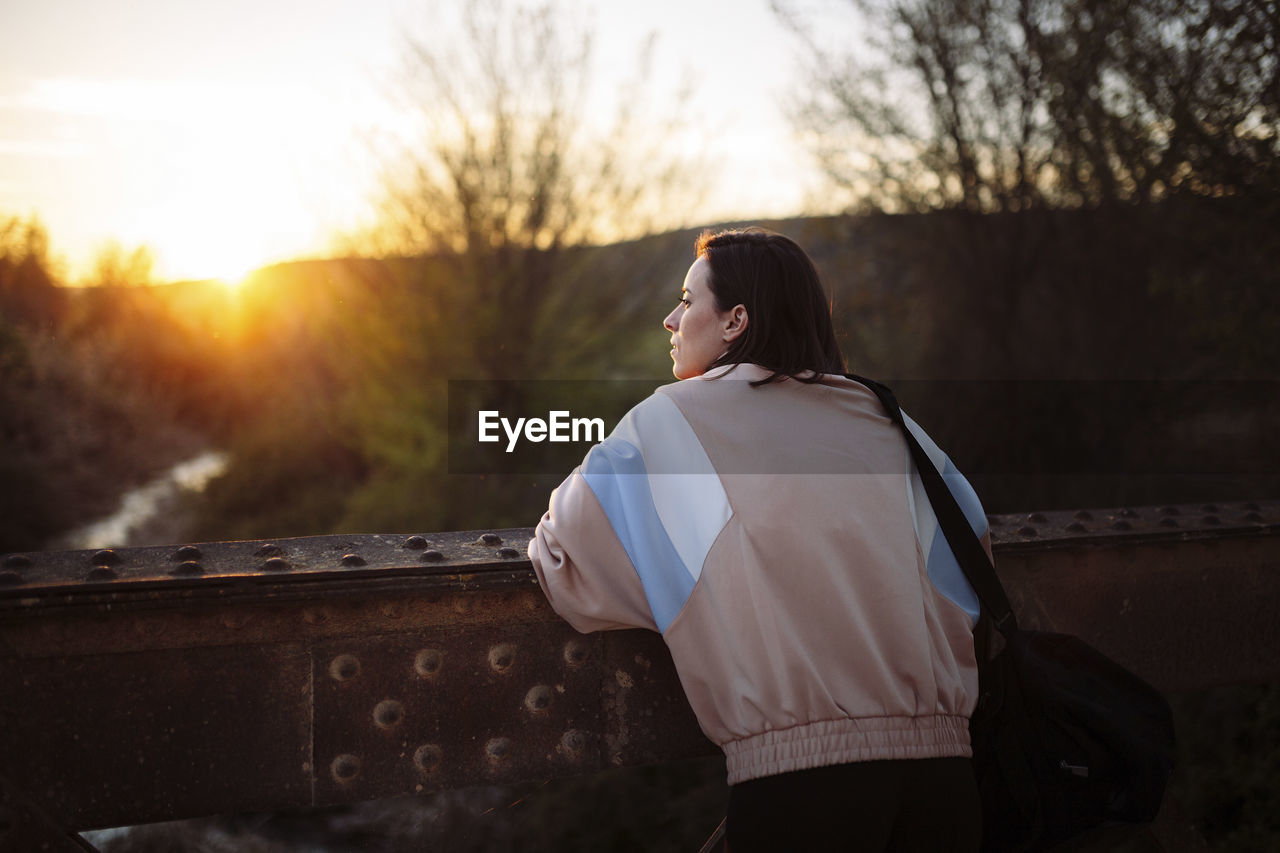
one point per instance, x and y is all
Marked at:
(245, 177)
(233, 277)
(191, 261)
(203, 249)
(237, 209)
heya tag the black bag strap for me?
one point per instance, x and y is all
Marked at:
(964, 543)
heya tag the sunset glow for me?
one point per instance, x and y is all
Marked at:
(215, 179)
(195, 131)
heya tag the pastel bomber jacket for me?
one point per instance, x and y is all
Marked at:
(781, 541)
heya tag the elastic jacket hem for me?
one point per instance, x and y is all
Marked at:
(844, 741)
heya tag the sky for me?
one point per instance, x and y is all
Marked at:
(227, 134)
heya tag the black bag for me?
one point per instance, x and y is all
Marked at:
(1065, 740)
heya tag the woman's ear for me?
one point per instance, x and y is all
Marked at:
(736, 324)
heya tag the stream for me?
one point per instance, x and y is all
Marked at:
(148, 514)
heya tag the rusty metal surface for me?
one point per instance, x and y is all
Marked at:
(1169, 523)
(417, 712)
(444, 709)
(647, 718)
(379, 685)
(1184, 615)
(1037, 531)
(254, 568)
(313, 565)
(24, 826)
(155, 695)
(145, 736)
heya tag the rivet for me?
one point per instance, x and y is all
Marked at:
(345, 767)
(1209, 508)
(573, 741)
(11, 579)
(1211, 520)
(102, 573)
(1253, 516)
(508, 553)
(269, 550)
(186, 552)
(1075, 527)
(416, 543)
(1028, 531)
(539, 698)
(1169, 522)
(276, 564)
(1083, 515)
(353, 560)
(427, 757)
(431, 555)
(1037, 518)
(1127, 513)
(1121, 524)
(502, 656)
(575, 652)
(427, 662)
(387, 713)
(22, 561)
(344, 667)
(490, 539)
(1169, 510)
(187, 567)
(106, 557)
(498, 748)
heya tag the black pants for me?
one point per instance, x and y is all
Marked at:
(928, 804)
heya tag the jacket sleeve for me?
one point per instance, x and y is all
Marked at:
(582, 566)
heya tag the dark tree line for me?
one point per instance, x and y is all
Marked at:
(29, 293)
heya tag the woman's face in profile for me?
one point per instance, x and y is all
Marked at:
(699, 332)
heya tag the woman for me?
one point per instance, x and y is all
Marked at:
(781, 542)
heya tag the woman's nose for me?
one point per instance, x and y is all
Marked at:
(673, 321)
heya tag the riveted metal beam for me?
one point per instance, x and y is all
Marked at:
(146, 684)
(447, 708)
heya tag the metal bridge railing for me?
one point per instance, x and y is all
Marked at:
(156, 683)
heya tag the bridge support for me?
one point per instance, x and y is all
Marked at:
(151, 684)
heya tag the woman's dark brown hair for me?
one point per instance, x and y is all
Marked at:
(789, 329)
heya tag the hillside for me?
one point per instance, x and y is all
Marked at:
(1064, 358)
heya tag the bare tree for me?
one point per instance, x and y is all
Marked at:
(1157, 97)
(515, 164)
(987, 105)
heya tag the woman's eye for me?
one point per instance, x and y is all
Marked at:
(684, 302)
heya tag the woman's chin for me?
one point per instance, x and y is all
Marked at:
(684, 372)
